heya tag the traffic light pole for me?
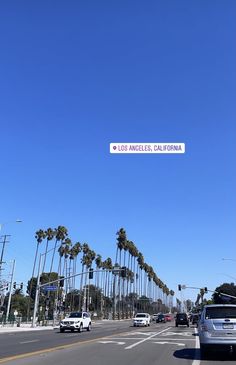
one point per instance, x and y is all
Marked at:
(39, 286)
(205, 290)
(10, 291)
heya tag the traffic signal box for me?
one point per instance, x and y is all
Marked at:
(90, 273)
(123, 271)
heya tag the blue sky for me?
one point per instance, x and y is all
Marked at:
(78, 75)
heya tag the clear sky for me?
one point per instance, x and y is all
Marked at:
(78, 75)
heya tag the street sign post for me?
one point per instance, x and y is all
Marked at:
(50, 288)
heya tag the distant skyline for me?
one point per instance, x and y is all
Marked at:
(77, 76)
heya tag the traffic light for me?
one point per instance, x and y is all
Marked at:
(61, 283)
(123, 272)
(21, 286)
(205, 289)
(179, 286)
(90, 273)
(14, 285)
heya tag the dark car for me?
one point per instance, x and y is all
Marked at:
(160, 318)
(181, 319)
(195, 318)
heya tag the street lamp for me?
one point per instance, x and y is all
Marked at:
(16, 221)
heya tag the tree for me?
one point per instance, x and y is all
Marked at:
(19, 303)
(225, 288)
(39, 235)
(49, 235)
(31, 290)
(60, 234)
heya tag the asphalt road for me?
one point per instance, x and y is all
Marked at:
(115, 343)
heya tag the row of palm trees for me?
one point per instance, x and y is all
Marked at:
(139, 279)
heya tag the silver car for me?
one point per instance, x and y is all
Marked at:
(217, 327)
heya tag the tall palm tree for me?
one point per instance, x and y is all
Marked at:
(73, 254)
(60, 234)
(140, 263)
(39, 235)
(77, 250)
(49, 234)
(121, 245)
(85, 250)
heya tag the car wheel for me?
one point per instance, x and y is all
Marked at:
(80, 328)
(62, 330)
(89, 327)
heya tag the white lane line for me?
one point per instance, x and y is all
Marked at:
(28, 341)
(116, 342)
(172, 343)
(161, 338)
(197, 346)
(147, 338)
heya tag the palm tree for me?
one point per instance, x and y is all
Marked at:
(49, 234)
(85, 250)
(60, 234)
(39, 235)
(74, 252)
(121, 245)
(140, 263)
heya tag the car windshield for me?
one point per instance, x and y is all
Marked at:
(75, 315)
(183, 315)
(140, 315)
(220, 312)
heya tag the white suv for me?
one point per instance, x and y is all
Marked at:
(142, 319)
(76, 321)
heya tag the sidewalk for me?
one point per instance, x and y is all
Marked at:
(24, 328)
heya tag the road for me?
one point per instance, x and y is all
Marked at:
(115, 343)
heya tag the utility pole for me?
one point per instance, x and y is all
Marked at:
(37, 294)
(4, 240)
(10, 292)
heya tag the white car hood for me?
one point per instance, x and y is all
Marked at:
(71, 320)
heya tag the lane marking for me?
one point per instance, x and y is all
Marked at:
(178, 334)
(60, 347)
(23, 342)
(116, 342)
(173, 343)
(141, 338)
(145, 339)
(142, 333)
(197, 347)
